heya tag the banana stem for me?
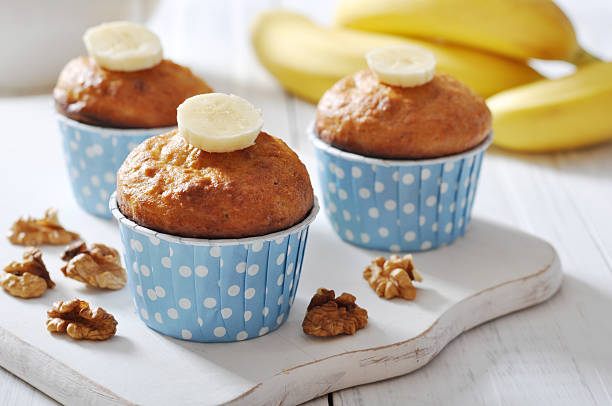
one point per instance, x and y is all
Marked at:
(583, 57)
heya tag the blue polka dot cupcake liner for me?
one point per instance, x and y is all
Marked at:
(398, 205)
(93, 156)
(213, 290)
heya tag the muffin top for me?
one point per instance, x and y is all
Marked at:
(146, 98)
(169, 185)
(441, 117)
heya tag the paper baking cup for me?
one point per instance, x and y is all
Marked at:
(93, 156)
(398, 205)
(213, 290)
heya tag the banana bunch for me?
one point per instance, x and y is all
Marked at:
(548, 115)
(308, 59)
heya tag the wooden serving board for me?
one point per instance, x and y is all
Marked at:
(490, 272)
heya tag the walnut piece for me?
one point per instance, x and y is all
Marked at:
(98, 266)
(25, 286)
(30, 231)
(79, 322)
(393, 277)
(29, 278)
(328, 315)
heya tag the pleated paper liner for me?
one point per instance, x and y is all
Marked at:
(398, 205)
(213, 290)
(93, 156)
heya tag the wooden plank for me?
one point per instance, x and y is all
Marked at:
(14, 391)
(322, 401)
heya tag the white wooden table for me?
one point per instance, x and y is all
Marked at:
(557, 353)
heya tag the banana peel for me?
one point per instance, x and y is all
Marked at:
(550, 115)
(520, 29)
(308, 59)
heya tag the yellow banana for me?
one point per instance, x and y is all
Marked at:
(571, 112)
(519, 29)
(308, 59)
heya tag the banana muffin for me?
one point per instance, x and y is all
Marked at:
(362, 115)
(170, 186)
(148, 98)
(406, 144)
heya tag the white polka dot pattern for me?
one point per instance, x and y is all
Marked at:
(399, 207)
(93, 155)
(215, 293)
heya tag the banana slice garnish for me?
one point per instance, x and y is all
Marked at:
(123, 46)
(217, 122)
(402, 65)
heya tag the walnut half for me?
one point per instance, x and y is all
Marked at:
(30, 231)
(98, 266)
(79, 322)
(393, 277)
(29, 278)
(328, 315)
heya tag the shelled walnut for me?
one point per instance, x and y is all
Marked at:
(77, 320)
(98, 266)
(30, 231)
(29, 278)
(328, 315)
(393, 277)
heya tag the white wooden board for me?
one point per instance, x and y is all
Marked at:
(143, 367)
(492, 271)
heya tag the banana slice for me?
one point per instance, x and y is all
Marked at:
(217, 122)
(123, 46)
(402, 65)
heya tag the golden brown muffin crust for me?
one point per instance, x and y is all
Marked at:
(147, 98)
(170, 186)
(442, 117)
